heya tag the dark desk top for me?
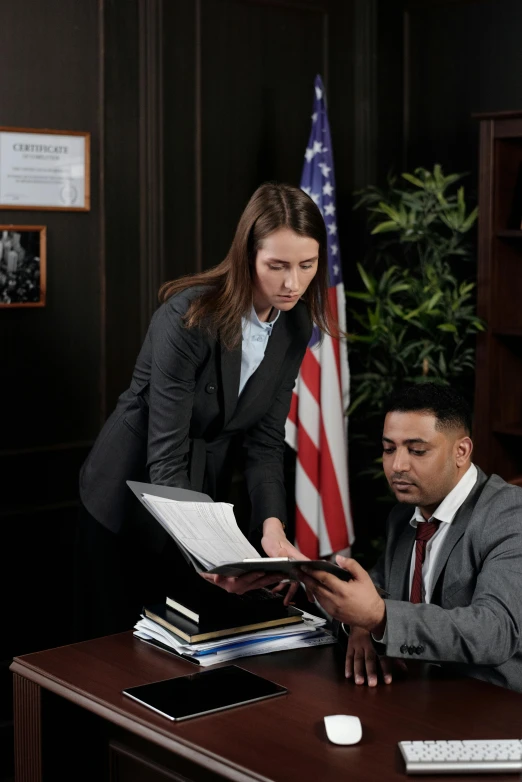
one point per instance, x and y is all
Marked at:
(281, 739)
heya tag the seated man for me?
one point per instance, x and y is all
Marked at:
(453, 560)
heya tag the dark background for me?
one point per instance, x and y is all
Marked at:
(191, 104)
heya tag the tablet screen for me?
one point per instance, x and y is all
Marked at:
(204, 693)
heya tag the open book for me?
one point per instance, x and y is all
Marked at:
(209, 537)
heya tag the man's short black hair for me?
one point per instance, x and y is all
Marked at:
(449, 408)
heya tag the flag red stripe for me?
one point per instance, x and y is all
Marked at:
(332, 297)
(311, 374)
(308, 456)
(331, 497)
(292, 415)
(306, 540)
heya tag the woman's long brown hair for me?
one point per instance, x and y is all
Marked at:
(228, 293)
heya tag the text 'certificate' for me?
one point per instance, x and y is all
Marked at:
(44, 170)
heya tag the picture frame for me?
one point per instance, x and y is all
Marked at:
(45, 169)
(23, 266)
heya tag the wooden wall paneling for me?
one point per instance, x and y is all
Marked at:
(152, 265)
(123, 229)
(259, 61)
(365, 93)
(485, 272)
(182, 152)
(49, 377)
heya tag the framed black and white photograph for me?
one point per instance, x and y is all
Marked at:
(22, 265)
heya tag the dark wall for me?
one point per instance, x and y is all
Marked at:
(190, 105)
(440, 62)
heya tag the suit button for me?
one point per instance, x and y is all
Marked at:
(211, 388)
(403, 649)
(419, 649)
(411, 649)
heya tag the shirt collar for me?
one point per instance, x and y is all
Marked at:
(447, 510)
(252, 318)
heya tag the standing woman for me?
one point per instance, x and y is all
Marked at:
(213, 381)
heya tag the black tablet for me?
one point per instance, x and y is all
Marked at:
(204, 692)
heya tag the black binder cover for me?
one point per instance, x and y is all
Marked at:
(219, 626)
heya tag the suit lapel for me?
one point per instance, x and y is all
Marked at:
(457, 528)
(230, 375)
(400, 564)
(269, 367)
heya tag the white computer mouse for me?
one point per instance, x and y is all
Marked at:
(343, 728)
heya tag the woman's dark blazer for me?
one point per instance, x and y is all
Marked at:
(175, 425)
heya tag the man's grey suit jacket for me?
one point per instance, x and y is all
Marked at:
(475, 618)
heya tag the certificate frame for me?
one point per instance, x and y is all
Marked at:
(69, 190)
(24, 270)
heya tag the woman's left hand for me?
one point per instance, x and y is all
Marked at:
(276, 544)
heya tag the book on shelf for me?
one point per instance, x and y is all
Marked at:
(208, 535)
(220, 626)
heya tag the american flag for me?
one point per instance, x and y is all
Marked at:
(316, 427)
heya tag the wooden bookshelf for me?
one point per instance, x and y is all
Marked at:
(498, 389)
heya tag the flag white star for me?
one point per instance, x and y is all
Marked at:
(334, 249)
(315, 197)
(317, 146)
(314, 116)
(307, 190)
(327, 189)
(329, 209)
(325, 169)
(309, 154)
(336, 269)
(332, 228)
(319, 93)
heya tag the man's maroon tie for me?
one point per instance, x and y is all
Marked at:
(425, 531)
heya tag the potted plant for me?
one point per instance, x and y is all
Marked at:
(414, 318)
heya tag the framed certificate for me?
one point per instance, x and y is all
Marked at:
(44, 169)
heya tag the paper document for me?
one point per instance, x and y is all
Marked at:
(207, 531)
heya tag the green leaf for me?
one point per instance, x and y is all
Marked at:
(367, 280)
(447, 327)
(381, 228)
(413, 180)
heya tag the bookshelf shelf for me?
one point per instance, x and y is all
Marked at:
(507, 333)
(497, 426)
(509, 234)
(513, 430)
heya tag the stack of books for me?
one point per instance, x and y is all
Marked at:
(242, 627)
(207, 624)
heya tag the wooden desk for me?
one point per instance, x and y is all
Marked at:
(71, 717)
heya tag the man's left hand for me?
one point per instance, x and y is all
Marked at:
(355, 602)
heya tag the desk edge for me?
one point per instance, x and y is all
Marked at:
(135, 725)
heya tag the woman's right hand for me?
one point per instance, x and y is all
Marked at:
(363, 662)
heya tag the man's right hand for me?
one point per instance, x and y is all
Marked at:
(363, 662)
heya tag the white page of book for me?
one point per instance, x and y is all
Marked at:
(207, 530)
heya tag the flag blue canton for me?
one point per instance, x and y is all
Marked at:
(318, 178)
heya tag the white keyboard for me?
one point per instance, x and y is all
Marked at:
(462, 757)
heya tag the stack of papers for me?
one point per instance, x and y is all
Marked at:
(308, 633)
(207, 532)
